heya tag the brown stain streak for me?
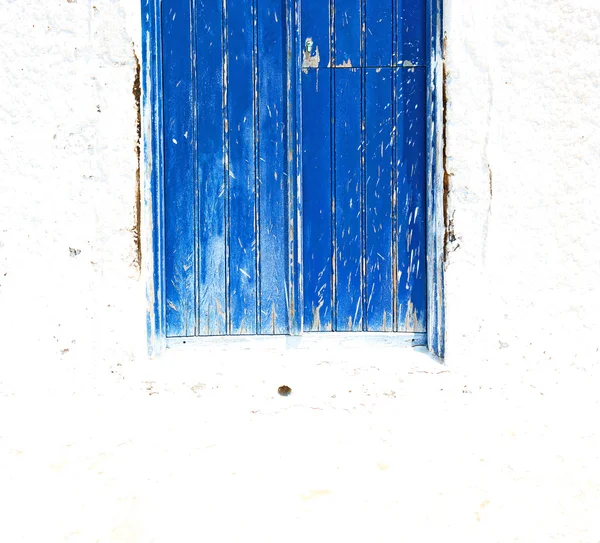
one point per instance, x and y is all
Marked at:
(447, 175)
(137, 95)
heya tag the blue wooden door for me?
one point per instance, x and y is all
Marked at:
(238, 258)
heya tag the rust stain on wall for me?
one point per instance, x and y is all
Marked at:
(137, 94)
(448, 227)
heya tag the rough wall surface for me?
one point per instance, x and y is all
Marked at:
(69, 283)
(523, 147)
(523, 143)
(167, 448)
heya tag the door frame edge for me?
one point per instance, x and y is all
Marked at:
(152, 168)
(436, 190)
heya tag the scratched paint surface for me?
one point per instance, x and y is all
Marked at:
(227, 212)
(363, 100)
(180, 169)
(228, 185)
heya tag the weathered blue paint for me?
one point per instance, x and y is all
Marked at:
(411, 205)
(212, 175)
(373, 273)
(294, 163)
(384, 52)
(379, 39)
(243, 137)
(412, 43)
(272, 187)
(379, 202)
(317, 163)
(317, 198)
(317, 34)
(347, 201)
(179, 103)
(232, 166)
(347, 36)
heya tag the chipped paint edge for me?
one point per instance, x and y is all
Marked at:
(435, 182)
(294, 70)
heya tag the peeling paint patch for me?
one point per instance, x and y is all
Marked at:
(411, 321)
(310, 60)
(316, 326)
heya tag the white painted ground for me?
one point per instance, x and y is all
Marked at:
(200, 447)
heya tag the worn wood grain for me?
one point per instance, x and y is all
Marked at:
(348, 36)
(348, 201)
(411, 31)
(317, 199)
(379, 206)
(316, 35)
(379, 35)
(243, 220)
(411, 211)
(180, 169)
(212, 176)
(273, 179)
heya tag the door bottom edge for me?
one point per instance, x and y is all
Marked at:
(305, 341)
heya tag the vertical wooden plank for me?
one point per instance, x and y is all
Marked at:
(242, 168)
(348, 40)
(379, 32)
(179, 126)
(294, 48)
(348, 200)
(379, 266)
(212, 301)
(411, 32)
(317, 202)
(316, 38)
(412, 266)
(273, 178)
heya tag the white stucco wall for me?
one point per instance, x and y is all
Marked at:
(522, 159)
(68, 180)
